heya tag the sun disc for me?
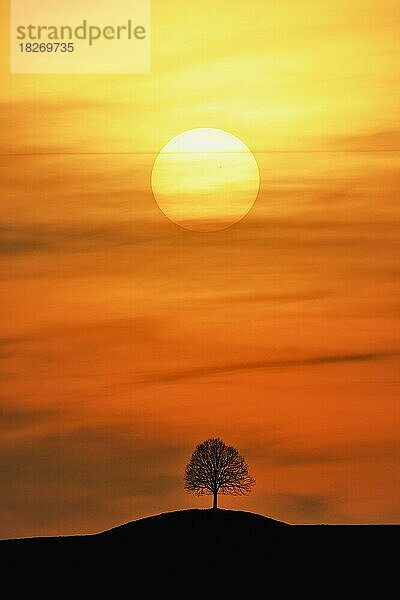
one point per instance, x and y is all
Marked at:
(205, 179)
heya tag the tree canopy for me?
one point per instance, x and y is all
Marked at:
(217, 468)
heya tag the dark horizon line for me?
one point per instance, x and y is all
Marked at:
(210, 509)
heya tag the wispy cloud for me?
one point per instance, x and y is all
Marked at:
(263, 298)
(369, 141)
(307, 507)
(32, 239)
(78, 476)
(12, 419)
(284, 451)
(262, 365)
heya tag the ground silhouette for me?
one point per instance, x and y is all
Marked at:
(189, 541)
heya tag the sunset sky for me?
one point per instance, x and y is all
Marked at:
(126, 340)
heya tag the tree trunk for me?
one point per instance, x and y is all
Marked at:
(215, 500)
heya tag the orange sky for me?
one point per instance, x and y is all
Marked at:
(126, 340)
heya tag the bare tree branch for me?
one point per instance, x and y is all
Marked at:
(216, 468)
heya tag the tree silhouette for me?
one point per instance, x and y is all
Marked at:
(216, 468)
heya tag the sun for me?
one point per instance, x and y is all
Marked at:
(205, 179)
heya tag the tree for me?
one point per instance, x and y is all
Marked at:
(216, 468)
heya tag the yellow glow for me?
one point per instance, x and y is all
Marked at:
(205, 179)
(125, 336)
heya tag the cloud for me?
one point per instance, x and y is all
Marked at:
(370, 141)
(82, 475)
(282, 452)
(12, 419)
(264, 298)
(9, 346)
(261, 365)
(26, 134)
(309, 507)
(28, 239)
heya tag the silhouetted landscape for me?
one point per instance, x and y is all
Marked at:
(210, 538)
(185, 545)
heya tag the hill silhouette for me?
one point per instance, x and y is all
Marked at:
(182, 542)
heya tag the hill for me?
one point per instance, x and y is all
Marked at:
(185, 541)
(195, 531)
